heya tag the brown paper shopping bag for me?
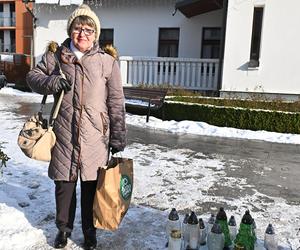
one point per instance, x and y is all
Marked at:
(113, 194)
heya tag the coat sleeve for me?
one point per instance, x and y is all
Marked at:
(42, 79)
(116, 109)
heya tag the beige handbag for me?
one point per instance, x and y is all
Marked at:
(36, 139)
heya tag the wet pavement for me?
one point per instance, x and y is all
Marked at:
(279, 161)
(272, 168)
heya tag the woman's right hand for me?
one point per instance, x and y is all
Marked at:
(114, 150)
(63, 84)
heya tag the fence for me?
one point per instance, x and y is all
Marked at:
(187, 73)
(8, 21)
(7, 47)
(15, 67)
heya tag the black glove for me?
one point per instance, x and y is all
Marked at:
(114, 150)
(63, 84)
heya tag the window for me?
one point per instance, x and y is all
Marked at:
(12, 41)
(168, 42)
(12, 7)
(1, 15)
(12, 14)
(1, 40)
(211, 39)
(106, 37)
(256, 36)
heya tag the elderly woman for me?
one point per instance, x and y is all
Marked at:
(91, 120)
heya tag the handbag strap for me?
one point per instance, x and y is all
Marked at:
(43, 104)
(58, 104)
(55, 113)
(57, 107)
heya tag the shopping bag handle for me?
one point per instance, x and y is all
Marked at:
(113, 161)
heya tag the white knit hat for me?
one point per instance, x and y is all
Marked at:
(84, 10)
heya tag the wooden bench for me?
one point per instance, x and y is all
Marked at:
(145, 97)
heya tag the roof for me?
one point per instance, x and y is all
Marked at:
(192, 8)
(60, 2)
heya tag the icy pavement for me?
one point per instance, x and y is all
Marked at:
(183, 177)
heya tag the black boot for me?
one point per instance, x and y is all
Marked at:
(61, 239)
(90, 240)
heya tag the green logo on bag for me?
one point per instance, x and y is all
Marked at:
(125, 187)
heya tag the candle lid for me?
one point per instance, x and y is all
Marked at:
(221, 214)
(201, 224)
(270, 229)
(186, 218)
(216, 229)
(211, 219)
(193, 219)
(232, 221)
(173, 214)
(247, 218)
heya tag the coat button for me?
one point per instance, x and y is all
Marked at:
(73, 177)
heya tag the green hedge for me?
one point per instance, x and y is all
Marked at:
(246, 103)
(284, 122)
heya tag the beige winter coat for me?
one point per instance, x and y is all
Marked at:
(92, 114)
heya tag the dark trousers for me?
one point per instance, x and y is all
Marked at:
(65, 196)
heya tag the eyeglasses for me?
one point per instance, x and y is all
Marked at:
(87, 32)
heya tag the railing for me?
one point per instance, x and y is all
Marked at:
(7, 47)
(7, 21)
(187, 73)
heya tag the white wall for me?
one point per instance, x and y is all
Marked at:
(278, 71)
(135, 26)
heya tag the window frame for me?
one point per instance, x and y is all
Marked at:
(106, 41)
(256, 37)
(210, 41)
(168, 41)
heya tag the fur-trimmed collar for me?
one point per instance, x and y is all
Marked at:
(67, 56)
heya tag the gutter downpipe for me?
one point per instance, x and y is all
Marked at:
(222, 46)
(34, 19)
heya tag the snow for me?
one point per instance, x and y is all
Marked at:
(202, 128)
(138, 102)
(27, 205)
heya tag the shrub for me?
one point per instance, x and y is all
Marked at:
(284, 122)
(278, 105)
(275, 121)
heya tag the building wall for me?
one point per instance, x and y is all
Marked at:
(24, 28)
(135, 25)
(279, 54)
(18, 21)
(16, 25)
(7, 25)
